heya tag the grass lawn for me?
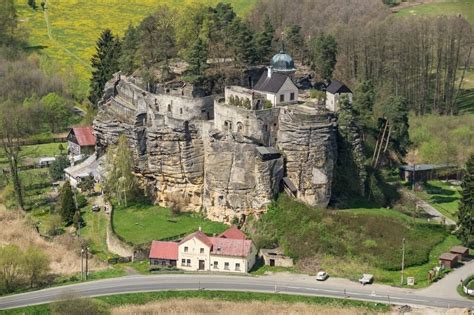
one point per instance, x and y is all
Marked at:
(443, 196)
(470, 285)
(33, 152)
(144, 298)
(76, 25)
(447, 7)
(143, 223)
(95, 231)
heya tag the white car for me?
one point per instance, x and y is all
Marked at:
(322, 276)
(366, 279)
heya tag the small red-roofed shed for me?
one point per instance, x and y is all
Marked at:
(163, 253)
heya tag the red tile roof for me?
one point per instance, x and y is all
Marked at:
(230, 247)
(164, 250)
(84, 135)
(234, 233)
(200, 236)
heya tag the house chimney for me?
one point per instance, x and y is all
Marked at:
(270, 72)
(199, 229)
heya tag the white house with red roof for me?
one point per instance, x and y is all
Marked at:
(231, 251)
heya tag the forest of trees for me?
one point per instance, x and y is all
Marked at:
(419, 58)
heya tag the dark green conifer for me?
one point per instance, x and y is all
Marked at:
(104, 64)
(465, 230)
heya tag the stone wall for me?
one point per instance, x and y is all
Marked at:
(186, 156)
(259, 125)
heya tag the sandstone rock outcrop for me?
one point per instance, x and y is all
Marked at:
(182, 149)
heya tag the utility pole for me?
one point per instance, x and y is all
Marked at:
(82, 264)
(87, 262)
(414, 177)
(403, 260)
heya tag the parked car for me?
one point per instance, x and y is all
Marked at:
(322, 276)
(95, 208)
(366, 279)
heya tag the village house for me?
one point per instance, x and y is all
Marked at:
(276, 83)
(81, 141)
(228, 252)
(334, 92)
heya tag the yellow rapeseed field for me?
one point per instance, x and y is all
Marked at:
(66, 32)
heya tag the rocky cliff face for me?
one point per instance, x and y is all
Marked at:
(216, 171)
(237, 181)
(307, 139)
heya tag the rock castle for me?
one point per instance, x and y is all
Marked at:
(228, 156)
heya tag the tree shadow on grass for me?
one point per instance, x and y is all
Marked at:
(440, 199)
(434, 190)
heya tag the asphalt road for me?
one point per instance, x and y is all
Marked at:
(287, 285)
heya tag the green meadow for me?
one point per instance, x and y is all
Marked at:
(66, 32)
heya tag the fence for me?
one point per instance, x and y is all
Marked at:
(41, 141)
(465, 283)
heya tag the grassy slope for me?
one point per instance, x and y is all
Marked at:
(75, 26)
(442, 196)
(154, 223)
(144, 298)
(351, 242)
(449, 7)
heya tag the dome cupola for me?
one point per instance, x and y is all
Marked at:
(283, 63)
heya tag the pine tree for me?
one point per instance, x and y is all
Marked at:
(128, 58)
(197, 58)
(105, 64)
(32, 4)
(264, 40)
(465, 230)
(324, 53)
(244, 44)
(67, 206)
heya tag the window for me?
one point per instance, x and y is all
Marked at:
(282, 97)
(292, 96)
(216, 265)
(188, 262)
(185, 249)
(201, 251)
(237, 267)
(183, 262)
(226, 266)
(181, 111)
(169, 107)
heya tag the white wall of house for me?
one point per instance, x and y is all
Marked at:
(197, 250)
(332, 100)
(192, 251)
(285, 92)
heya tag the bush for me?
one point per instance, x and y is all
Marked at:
(53, 225)
(56, 169)
(72, 304)
(81, 201)
(176, 202)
